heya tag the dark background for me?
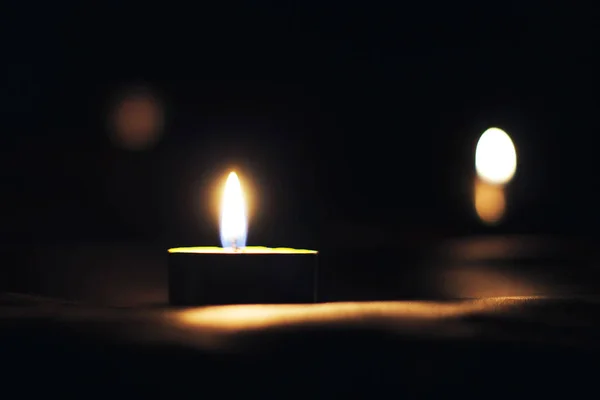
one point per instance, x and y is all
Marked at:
(351, 124)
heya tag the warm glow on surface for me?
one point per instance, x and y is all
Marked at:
(495, 157)
(245, 250)
(234, 223)
(490, 202)
(234, 327)
(223, 319)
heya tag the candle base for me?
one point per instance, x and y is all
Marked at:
(198, 279)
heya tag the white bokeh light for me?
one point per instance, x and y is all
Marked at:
(495, 157)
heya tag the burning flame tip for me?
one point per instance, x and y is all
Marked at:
(233, 214)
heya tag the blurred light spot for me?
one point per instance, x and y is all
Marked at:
(137, 120)
(495, 157)
(481, 281)
(482, 249)
(490, 202)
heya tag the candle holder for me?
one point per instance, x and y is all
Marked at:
(253, 275)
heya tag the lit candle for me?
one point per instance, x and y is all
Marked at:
(235, 273)
(496, 164)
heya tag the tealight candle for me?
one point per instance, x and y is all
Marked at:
(235, 273)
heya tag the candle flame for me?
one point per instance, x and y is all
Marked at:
(495, 157)
(234, 224)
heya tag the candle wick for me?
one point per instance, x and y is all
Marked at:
(234, 245)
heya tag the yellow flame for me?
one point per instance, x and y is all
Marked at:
(234, 224)
(495, 157)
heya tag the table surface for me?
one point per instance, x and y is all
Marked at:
(474, 347)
